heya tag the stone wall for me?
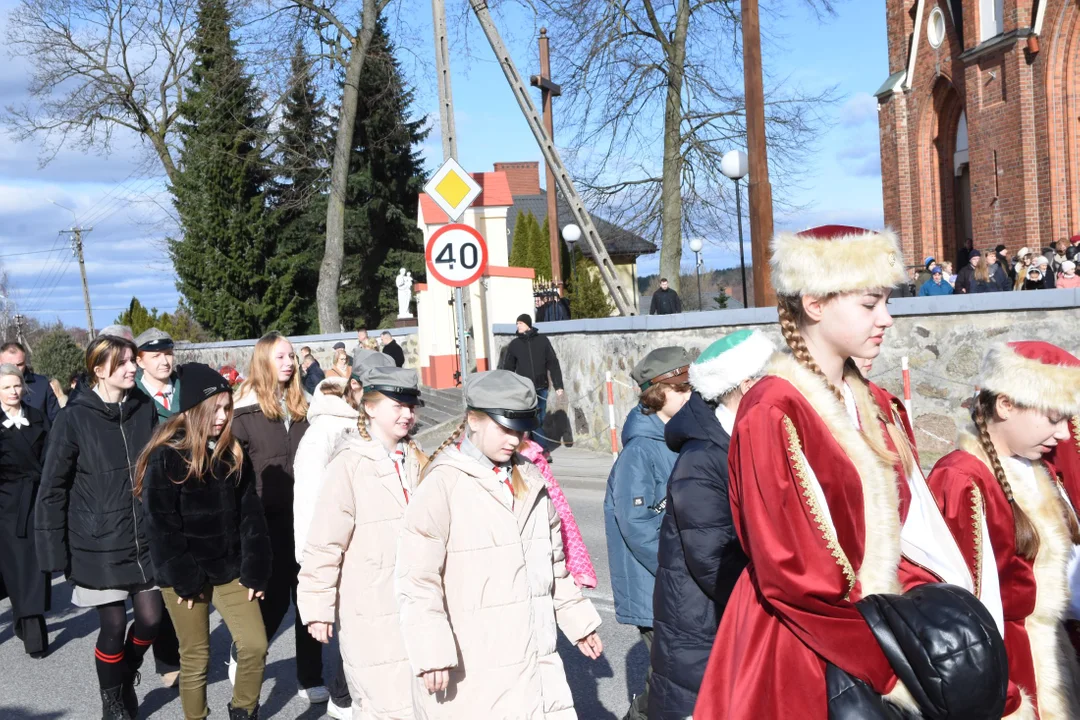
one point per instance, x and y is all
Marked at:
(238, 352)
(943, 338)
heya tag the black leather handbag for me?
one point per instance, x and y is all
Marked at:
(944, 646)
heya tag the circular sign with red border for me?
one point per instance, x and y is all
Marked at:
(456, 255)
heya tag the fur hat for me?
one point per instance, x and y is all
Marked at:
(835, 259)
(1034, 374)
(728, 361)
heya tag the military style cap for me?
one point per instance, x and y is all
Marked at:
(507, 398)
(154, 340)
(663, 365)
(393, 382)
(368, 359)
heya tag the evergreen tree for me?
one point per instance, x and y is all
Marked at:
(179, 325)
(385, 182)
(588, 299)
(521, 250)
(58, 357)
(225, 260)
(541, 248)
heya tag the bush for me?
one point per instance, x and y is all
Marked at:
(588, 297)
(58, 356)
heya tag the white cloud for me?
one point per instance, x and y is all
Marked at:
(860, 109)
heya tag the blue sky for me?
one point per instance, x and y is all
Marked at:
(122, 199)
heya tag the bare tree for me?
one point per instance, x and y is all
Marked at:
(349, 48)
(633, 71)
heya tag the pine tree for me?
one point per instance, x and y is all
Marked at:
(224, 261)
(541, 249)
(587, 296)
(520, 250)
(385, 182)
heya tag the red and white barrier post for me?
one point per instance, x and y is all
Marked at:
(907, 384)
(611, 418)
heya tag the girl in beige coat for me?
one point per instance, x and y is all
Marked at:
(481, 576)
(347, 573)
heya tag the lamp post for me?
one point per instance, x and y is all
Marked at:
(735, 165)
(571, 234)
(695, 246)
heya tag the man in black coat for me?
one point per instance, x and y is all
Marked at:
(530, 355)
(665, 301)
(38, 394)
(390, 347)
(699, 556)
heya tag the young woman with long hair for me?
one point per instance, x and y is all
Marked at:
(481, 577)
(208, 537)
(269, 420)
(823, 484)
(88, 523)
(1027, 392)
(347, 570)
(23, 432)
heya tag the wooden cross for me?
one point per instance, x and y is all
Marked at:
(549, 90)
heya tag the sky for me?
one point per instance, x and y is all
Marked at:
(123, 198)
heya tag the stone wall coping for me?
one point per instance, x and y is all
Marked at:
(299, 340)
(911, 307)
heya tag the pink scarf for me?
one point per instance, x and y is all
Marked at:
(578, 563)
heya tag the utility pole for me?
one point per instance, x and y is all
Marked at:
(449, 146)
(76, 234)
(549, 90)
(19, 329)
(761, 204)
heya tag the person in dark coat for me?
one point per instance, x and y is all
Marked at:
(966, 282)
(1006, 264)
(390, 347)
(665, 301)
(995, 271)
(269, 420)
(699, 554)
(23, 431)
(88, 524)
(37, 393)
(208, 536)
(634, 500)
(531, 356)
(313, 373)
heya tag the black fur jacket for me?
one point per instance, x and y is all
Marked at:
(205, 531)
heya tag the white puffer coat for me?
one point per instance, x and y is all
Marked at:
(481, 584)
(329, 418)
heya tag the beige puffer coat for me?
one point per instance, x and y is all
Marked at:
(347, 573)
(481, 585)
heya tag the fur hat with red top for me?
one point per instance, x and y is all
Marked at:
(834, 259)
(1033, 374)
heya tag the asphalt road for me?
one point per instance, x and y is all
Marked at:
(64, 684)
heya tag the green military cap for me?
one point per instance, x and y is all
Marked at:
(508, 398)
(154, 340)
(663, 365)
(395, 383)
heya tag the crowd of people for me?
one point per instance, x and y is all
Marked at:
(770, 531)
(998, 270)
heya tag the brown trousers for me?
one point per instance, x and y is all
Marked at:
(193, 630)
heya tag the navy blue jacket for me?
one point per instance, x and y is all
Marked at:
(633, 510)
(700, 560)
(39, 395)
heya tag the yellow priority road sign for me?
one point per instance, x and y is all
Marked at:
(452, 189)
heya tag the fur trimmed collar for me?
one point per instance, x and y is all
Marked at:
(881, 499)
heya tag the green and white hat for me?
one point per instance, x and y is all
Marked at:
(728, 361)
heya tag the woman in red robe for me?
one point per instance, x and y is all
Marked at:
(998, 480)
(814, 490)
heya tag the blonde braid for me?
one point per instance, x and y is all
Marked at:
(789, 328)
(1027, 538)
(361, 425)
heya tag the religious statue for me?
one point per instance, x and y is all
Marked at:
(404, 284)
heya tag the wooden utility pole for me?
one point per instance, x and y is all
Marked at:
(76, 234)
(549, 90)
(761, 205)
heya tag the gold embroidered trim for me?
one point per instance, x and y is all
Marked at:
(802, 470)
(977, 525)
(1075, 424)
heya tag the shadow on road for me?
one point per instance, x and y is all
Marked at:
(582, 674)
(20, 713)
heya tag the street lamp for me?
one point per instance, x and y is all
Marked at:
(735, 165)
(695, 246)
(571, 234)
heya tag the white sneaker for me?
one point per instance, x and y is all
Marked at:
(315, 695)
(336, 711)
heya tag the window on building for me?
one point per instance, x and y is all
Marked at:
(935, 29)
(991, 18)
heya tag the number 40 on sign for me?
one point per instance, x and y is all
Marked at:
(456, 255)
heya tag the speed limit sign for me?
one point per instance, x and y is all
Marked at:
(456, 255)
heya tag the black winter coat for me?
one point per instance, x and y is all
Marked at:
(272, 449)
(88, 523)
(700, 560)
(665, 302)
(394, 350)
(531, 355)
(208, 530)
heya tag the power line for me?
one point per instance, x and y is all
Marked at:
(32, 252)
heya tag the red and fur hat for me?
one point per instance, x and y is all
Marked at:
(1033, 374)
(834, 259)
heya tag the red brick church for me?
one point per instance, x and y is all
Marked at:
(980, 124)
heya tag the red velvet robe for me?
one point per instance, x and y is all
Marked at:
(1066, 459)
(793, 607)
(1033, 593)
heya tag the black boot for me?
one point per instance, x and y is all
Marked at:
(32, 631)
(112, 706)
(131, 700)
(238, 714)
